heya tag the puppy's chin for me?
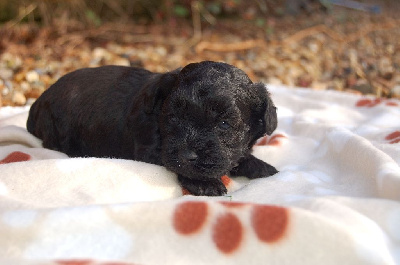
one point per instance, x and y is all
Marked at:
(196, 170)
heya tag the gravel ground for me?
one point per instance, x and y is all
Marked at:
(344, 50)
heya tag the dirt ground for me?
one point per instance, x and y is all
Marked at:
(342, 49)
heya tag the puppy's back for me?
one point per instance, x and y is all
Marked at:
(97, 97)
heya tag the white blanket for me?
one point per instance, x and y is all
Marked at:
(336, 199)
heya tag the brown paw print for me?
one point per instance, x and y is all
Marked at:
(15, 157)
(365, 102)
(393, 138)
(274, 140)
(268, 223)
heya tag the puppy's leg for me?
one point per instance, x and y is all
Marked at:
(252, 168)
(210, 187)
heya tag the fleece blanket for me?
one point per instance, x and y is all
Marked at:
(336, 199)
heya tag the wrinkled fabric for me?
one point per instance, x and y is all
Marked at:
(336, 199)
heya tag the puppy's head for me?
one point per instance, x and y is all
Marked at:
(211, 119)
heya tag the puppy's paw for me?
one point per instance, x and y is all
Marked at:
(253, 167)
(261, 170)
(211, 187)
(268, 170)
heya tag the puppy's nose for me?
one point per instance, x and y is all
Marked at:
(188, 155)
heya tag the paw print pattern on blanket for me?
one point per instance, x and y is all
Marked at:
(271, 140)
(338, 190)
(393, 138)
(269, 223)
(15, 157)
(365, 102)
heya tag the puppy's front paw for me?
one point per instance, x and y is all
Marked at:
(261, 170)
(253, 167)
(270, 169)
(211, 187)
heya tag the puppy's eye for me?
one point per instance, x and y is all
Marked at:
(224, 125)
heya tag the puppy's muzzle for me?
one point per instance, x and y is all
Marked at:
(188, 156)
(195, 165)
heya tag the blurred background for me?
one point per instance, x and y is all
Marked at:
(343, 45)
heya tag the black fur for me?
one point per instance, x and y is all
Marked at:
(200, 121)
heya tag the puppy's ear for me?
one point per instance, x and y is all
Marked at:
(194, 69)
(263, 119)
(188, 69)
(157, 89)
(271, 118)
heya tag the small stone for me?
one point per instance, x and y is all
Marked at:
(46, 79)
(162, 51)
(95, 62)
(34, 93)
(19, 77)
(6, 73)
(364, 87)
(38, 85)
(353, 56)
(30, 101)
(101, 54)
(396, 91)
(122, 62)
(12, 61)
(8, 86)
(314, 47)
(390, 48)
(53, 66)
(18, 98)
(304, 81)
(351, 80)
(5, 91)
(25, 86)
(385, 66)
(337, 84)
(32, 76)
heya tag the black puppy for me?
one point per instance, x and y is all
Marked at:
(200, 121)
